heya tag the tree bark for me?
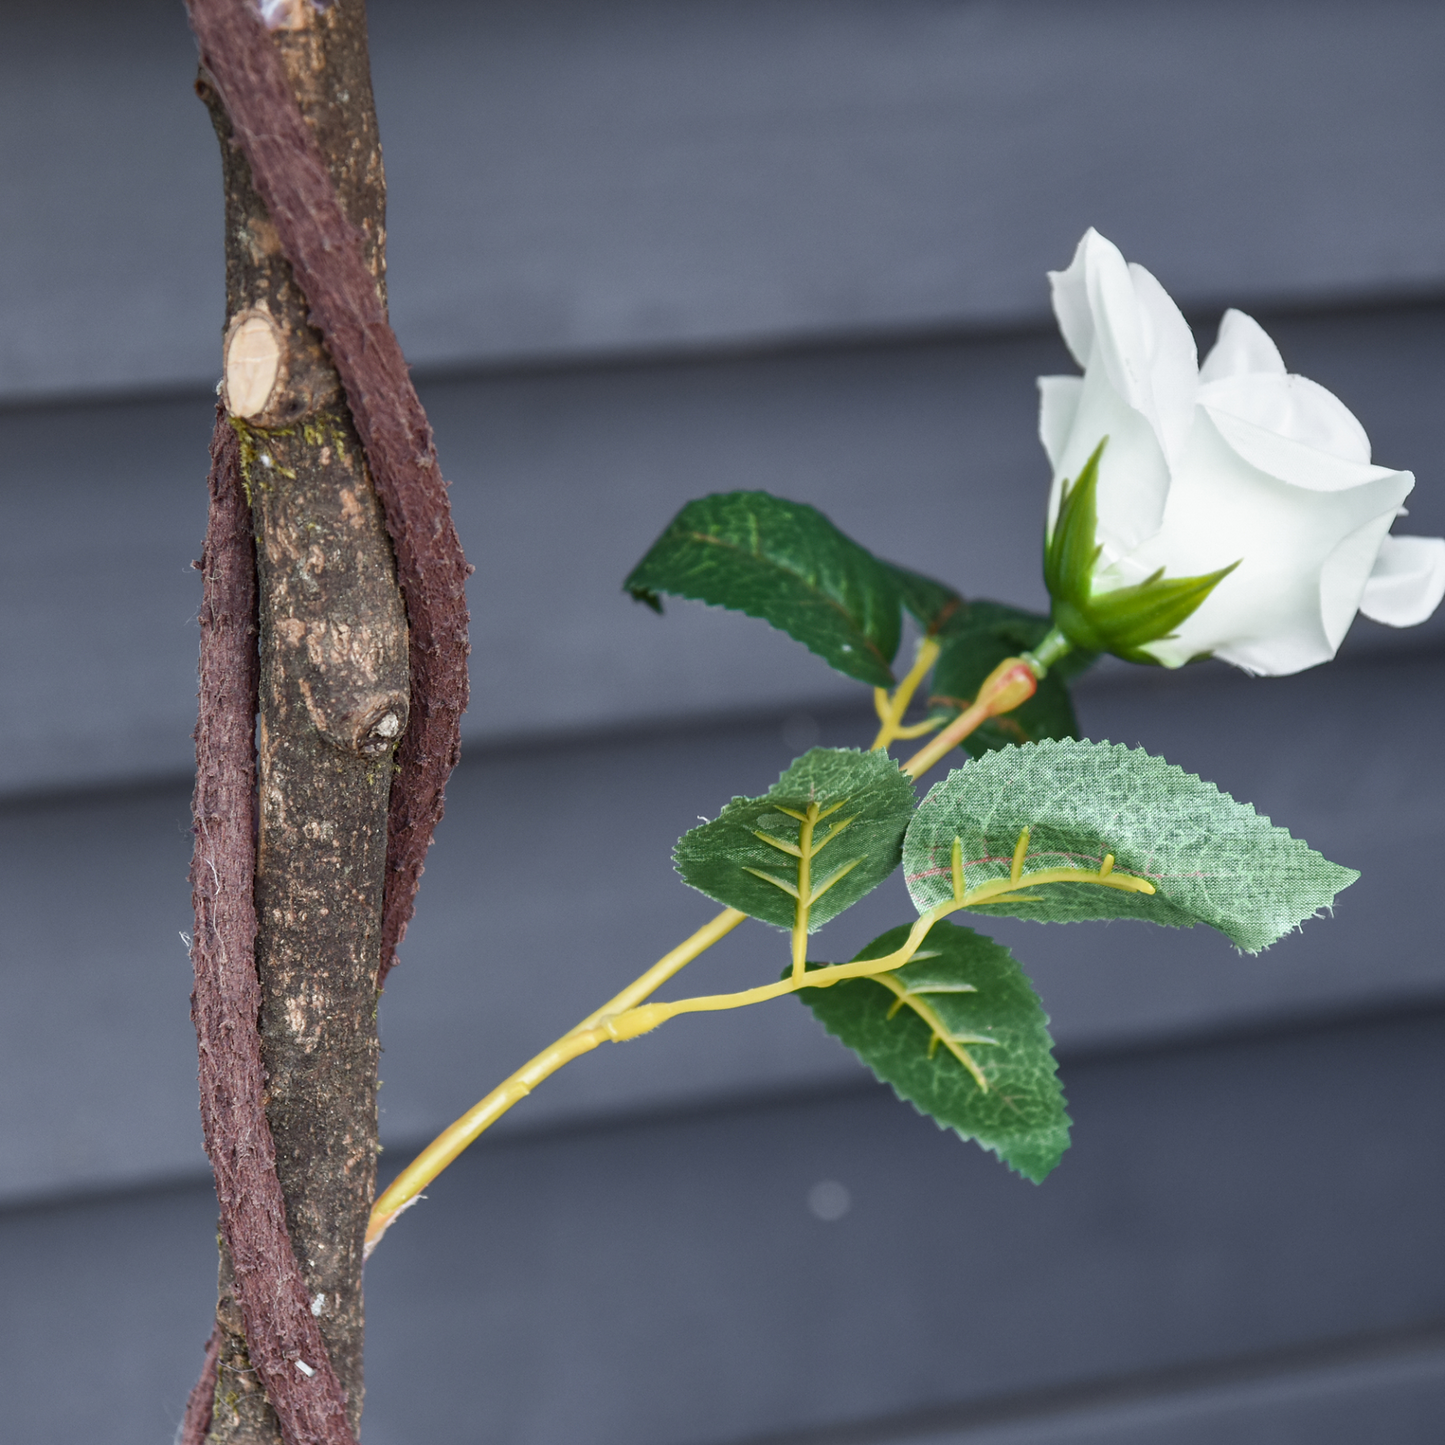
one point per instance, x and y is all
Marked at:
(288, 85)
(333, 702)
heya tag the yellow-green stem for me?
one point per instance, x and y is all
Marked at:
(644, 1019)
(1012, 682)
(593, 1030)
(803, 906)
(1000, 890)
(891, 709)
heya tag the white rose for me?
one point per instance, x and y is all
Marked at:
(1232, 462)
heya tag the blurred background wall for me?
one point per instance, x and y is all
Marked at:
(640, 250)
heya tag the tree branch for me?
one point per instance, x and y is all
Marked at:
(325, 252)
(281, 1332)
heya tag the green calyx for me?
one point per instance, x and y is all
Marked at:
(1126, 619)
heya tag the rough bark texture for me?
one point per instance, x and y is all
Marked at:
(307, 335)
(200, 1403)
(225, 1007)
(288, 163)
(333, 699)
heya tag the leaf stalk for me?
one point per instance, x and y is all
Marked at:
(627, 1016)
(891, 709)
(592, 1031)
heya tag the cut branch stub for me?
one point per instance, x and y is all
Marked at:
(254, 352)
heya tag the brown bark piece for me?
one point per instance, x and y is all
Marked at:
(305, 204)
(333, 700)
(328, 253)
(197, 1420)
(227, 1001)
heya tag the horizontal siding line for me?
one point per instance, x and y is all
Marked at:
(781, 345)
(1055, 1406)
(517, 1130)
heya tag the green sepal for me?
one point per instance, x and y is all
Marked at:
(1020, 1116)
(787, 564)
(877, 801)
(1211, 860)
(981, 636)
(1125, 619)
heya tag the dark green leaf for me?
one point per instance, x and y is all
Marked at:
(786, 563)
(934, 605)
(1212, 860)
(866, 802)
(968, 989)
(981, 636)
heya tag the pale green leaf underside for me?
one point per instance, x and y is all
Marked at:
(877, 802)
(1212, 860)
(1021, 1114)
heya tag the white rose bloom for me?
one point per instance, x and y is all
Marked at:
(1234, 461)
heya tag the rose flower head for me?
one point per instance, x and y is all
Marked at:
(1229, 509)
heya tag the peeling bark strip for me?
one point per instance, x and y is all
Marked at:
(333, 699)
(324, 249)
(197, 1420)
(227, 998)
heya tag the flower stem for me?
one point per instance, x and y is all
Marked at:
(1013, 681)
(891, 709)
(627, 1016)
(647, 1017)
(593, 1030)
(1054, 646)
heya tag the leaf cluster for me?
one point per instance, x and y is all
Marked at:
(957, 1029)
(1038, 825)
(786, 563)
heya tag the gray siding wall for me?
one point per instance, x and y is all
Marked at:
(641, 251)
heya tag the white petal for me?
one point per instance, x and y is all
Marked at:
(1133, 475)
(1118, 318)
(1293, 407)
(1345, 576)
(1071, 297)
(1243, 347)
(1272, 613)
(1121, 343)
(1171, 359)
(1058, 406)
(1408, 581)
(1292, 461)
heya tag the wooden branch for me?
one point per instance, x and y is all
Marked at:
(341, 677)
(325, 251)
(283, 1333)
(334, 696)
